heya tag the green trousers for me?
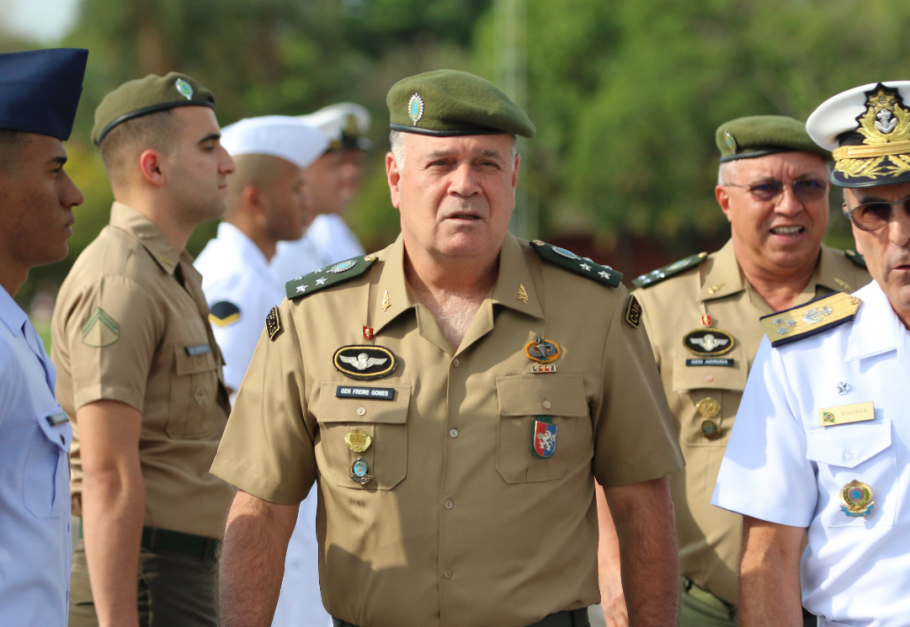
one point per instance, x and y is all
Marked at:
(173, 590)
(700, 608)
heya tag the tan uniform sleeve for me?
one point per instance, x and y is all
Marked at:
(112, 334)
(268, 449)
(634, 440)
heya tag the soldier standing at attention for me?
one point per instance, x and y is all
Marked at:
(454, 406)
(39, 93)
(702, 316)
(140, 372)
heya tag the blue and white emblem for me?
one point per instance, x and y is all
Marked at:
(415, 108)
(184, 89)
(343, 266)
(544, 437)
(568, 254)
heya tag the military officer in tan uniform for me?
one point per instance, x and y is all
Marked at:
(453, 397)
(139, 369)
(702, 316)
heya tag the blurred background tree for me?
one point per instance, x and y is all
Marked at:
(626, 94)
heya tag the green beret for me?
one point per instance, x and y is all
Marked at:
(760, 135)
(148, 95)
(445, 103)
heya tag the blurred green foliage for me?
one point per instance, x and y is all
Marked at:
(626, 94)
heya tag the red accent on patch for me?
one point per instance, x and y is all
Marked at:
(368, 333)
(707, 320)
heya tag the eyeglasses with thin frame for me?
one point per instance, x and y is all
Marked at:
(769, 189)
(875, 214)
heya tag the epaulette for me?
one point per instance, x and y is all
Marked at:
(656, 276)
(605, 275)
(819, 315)
(329, 276)
(856, 258)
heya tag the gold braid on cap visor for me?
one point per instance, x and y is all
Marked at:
(885, 127)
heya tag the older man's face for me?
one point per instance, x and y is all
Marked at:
(455, 194)
(783, 234)
(887, 250)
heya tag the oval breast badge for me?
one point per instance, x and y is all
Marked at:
(364, 362)
(708, 342)
(543, 351)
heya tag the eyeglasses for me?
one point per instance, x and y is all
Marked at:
(805, 189)
(873, 215)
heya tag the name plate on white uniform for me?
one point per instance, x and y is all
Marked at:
(858, 412)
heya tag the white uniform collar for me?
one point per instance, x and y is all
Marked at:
(11, 313)
(876, 328)
(237, 240)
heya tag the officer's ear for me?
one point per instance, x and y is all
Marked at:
(253, 200)
(151, 166)
(393, 174)
(723, 199)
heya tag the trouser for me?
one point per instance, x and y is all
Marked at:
(567, 618)
(700, 608)
(173, 590)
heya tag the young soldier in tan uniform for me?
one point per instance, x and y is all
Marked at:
(139, 369)
(702, 316)
(454, 395)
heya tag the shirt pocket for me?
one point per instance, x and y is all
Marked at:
(384, 421)
(863, 452)
(45, 478)
(194, 395)
(701, 384)
(521, 399)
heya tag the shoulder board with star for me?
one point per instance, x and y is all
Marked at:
(656, 276)
(821, 314)
(856, 258)
(605, 275)
(329, 276)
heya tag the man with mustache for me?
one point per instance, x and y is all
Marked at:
(39, 93)
(821, 442)
(702, 315)
(455, 402)
(139, 369)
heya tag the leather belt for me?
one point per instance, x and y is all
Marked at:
(164, 540)
(566, 618)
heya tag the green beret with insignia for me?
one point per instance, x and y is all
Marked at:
(148, 95)
(449, 103)
(761, 135)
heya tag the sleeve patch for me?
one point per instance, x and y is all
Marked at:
(273, 323)
(101, 330)
(633, 313)
(224, 313)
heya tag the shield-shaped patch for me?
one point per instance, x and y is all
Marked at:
(544, 442)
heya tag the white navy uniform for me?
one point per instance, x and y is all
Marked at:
(782, 466)
(333, 239)
(35, 540)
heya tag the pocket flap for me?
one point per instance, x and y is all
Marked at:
(721, 377)
(526, 395)
(193, 364)
(365, 409)
(848, 445)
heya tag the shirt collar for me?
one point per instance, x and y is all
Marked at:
(11, 313)
(514, 287)
(149, 235)
(876, 327)
(236, 240)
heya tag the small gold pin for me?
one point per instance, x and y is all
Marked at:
(715, 288)
(370, 257)
(522, 294)
(842, 284)
(386, 301)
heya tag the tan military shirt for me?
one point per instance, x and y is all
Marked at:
(710, 538)
(462, 524)
(125, 329)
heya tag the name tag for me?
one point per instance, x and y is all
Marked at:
(57, 419)
(376, 394)
(858, 412)
(717, 361)
(197, 349)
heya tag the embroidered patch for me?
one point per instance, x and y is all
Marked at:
(101, 330)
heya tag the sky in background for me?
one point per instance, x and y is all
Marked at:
(44, 21)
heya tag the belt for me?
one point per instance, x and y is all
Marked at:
(566, 618)
(700, 594)
(167, 541)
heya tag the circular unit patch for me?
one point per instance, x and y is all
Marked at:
(360, 471)
(543, 351)
(708, 342)
(710, 430)
(364, 362)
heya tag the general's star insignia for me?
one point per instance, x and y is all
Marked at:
(320, 281)
(604, 274)
(301, 288)
(585, 266)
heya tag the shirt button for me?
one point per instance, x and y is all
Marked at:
(455, 362)
(848, 456)
(361, 411)
(453, 433)
(547, 405)
(447, 573)
(709, 378)
(449, 504)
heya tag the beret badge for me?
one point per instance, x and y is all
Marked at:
(731, 141)
(885, 129)
(184, 89)
(415, 108)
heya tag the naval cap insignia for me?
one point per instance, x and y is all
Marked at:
(365, 362)
(415, 108)
(708, 341)
(543, 351)
(184, 89)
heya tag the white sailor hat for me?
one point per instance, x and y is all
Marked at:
(275, 135)
(868, 130)
(344, 124)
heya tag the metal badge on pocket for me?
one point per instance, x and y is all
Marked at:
(544, 437)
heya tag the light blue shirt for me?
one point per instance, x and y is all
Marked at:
(35, 542)
(782, 465)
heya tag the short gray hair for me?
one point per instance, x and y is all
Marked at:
(396, 141)
(729, 169)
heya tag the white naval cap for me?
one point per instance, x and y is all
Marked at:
(282, 136)
(868, 130)
(344, 124)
